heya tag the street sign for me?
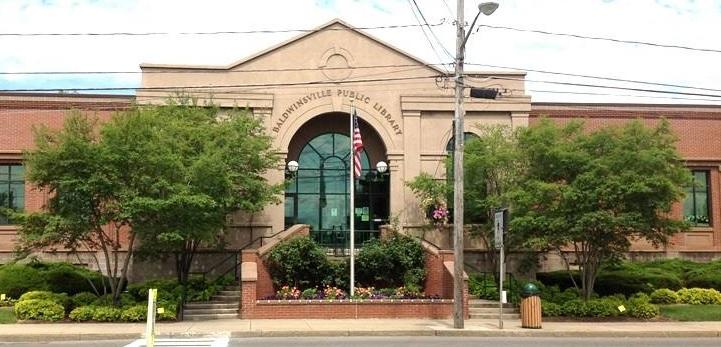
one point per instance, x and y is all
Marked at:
(499, 229)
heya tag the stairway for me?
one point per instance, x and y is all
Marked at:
(486, 309)
(222, 305)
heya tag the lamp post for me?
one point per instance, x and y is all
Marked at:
(487, 8)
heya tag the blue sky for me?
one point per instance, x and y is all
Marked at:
(680, 22)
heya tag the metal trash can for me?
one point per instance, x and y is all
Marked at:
(530, 307)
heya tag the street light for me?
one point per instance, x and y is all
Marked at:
(487, 8)
(381, 167)
(292, 167)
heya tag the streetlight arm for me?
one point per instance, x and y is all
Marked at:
(470, 30)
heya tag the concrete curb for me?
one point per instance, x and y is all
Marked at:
(342, 333)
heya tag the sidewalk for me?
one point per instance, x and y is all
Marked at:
(351, 327)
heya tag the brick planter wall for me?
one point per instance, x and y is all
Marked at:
(257, 284)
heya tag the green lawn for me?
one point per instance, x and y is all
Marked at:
(7, 315)
(692, 313)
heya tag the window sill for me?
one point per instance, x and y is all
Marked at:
(8, 229)
(701, 229)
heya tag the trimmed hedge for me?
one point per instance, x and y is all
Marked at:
(699, 296)
(61, 299)
(664, 296)
(82, 314)
(16, 279)
(631, 277)
(37, 309)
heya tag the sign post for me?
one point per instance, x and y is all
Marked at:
(150, 325)
(501, 224)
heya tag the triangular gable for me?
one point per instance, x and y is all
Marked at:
(311, 32)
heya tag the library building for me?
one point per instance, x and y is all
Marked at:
(304, 89)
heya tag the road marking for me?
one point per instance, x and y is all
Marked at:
(189, 342)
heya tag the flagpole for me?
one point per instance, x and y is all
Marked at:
(352, 201)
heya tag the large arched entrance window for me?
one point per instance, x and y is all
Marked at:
(318, 193)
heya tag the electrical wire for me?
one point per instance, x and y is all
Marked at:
(606, 87)
(264, 85)
(609, 39)
(262, 31)
(221, 70)
(430, 29)
(597, 77)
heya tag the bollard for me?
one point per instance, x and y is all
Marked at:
(530, 307)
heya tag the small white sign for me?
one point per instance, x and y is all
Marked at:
(504, 299)
(2, 297)
(498, 230)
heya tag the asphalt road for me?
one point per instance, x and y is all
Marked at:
(424, 342)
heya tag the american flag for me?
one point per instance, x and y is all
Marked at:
(357, 146)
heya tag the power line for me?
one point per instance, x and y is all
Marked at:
(432, 65)
(414, 3)
(607, 87)
(261, 31)
(597, 77)
(645, 43)
(208, 71)
(171, 88)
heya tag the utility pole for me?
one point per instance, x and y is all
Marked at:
(458, 174)
(487, 8)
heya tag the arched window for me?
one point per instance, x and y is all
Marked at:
(318, 194)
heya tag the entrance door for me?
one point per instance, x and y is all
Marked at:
(318, 194)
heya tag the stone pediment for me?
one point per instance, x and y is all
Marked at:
(332, 52)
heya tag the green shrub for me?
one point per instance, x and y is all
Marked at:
(36, 309)
(167, 289)
(574, 308)
(16, 279)
(602, 308)
(640, 296)
(309, 293)
(107, 300)
(107, 314)
(170, 311)
(83, 299)
(560, 279)
(82, 313)
(699, 296)
(137, 313)
(705, 276)
(299, 262)
(664, 296)
(391, 262)
(61, 299)
(483, 286)
(642, 309)
(550, 309)
(339, 274)
(70, 279)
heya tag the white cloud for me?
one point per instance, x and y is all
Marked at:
(689, 23)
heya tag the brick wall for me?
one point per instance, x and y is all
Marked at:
(20, 113)
(698, 129)
(256, 285)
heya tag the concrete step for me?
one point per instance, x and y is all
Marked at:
(229, 292)
(210, 316)
(492, 310)
(210, 304)
(486, 303)
(495, 316)
(226, 298)
(235, 288)
(200, 311)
